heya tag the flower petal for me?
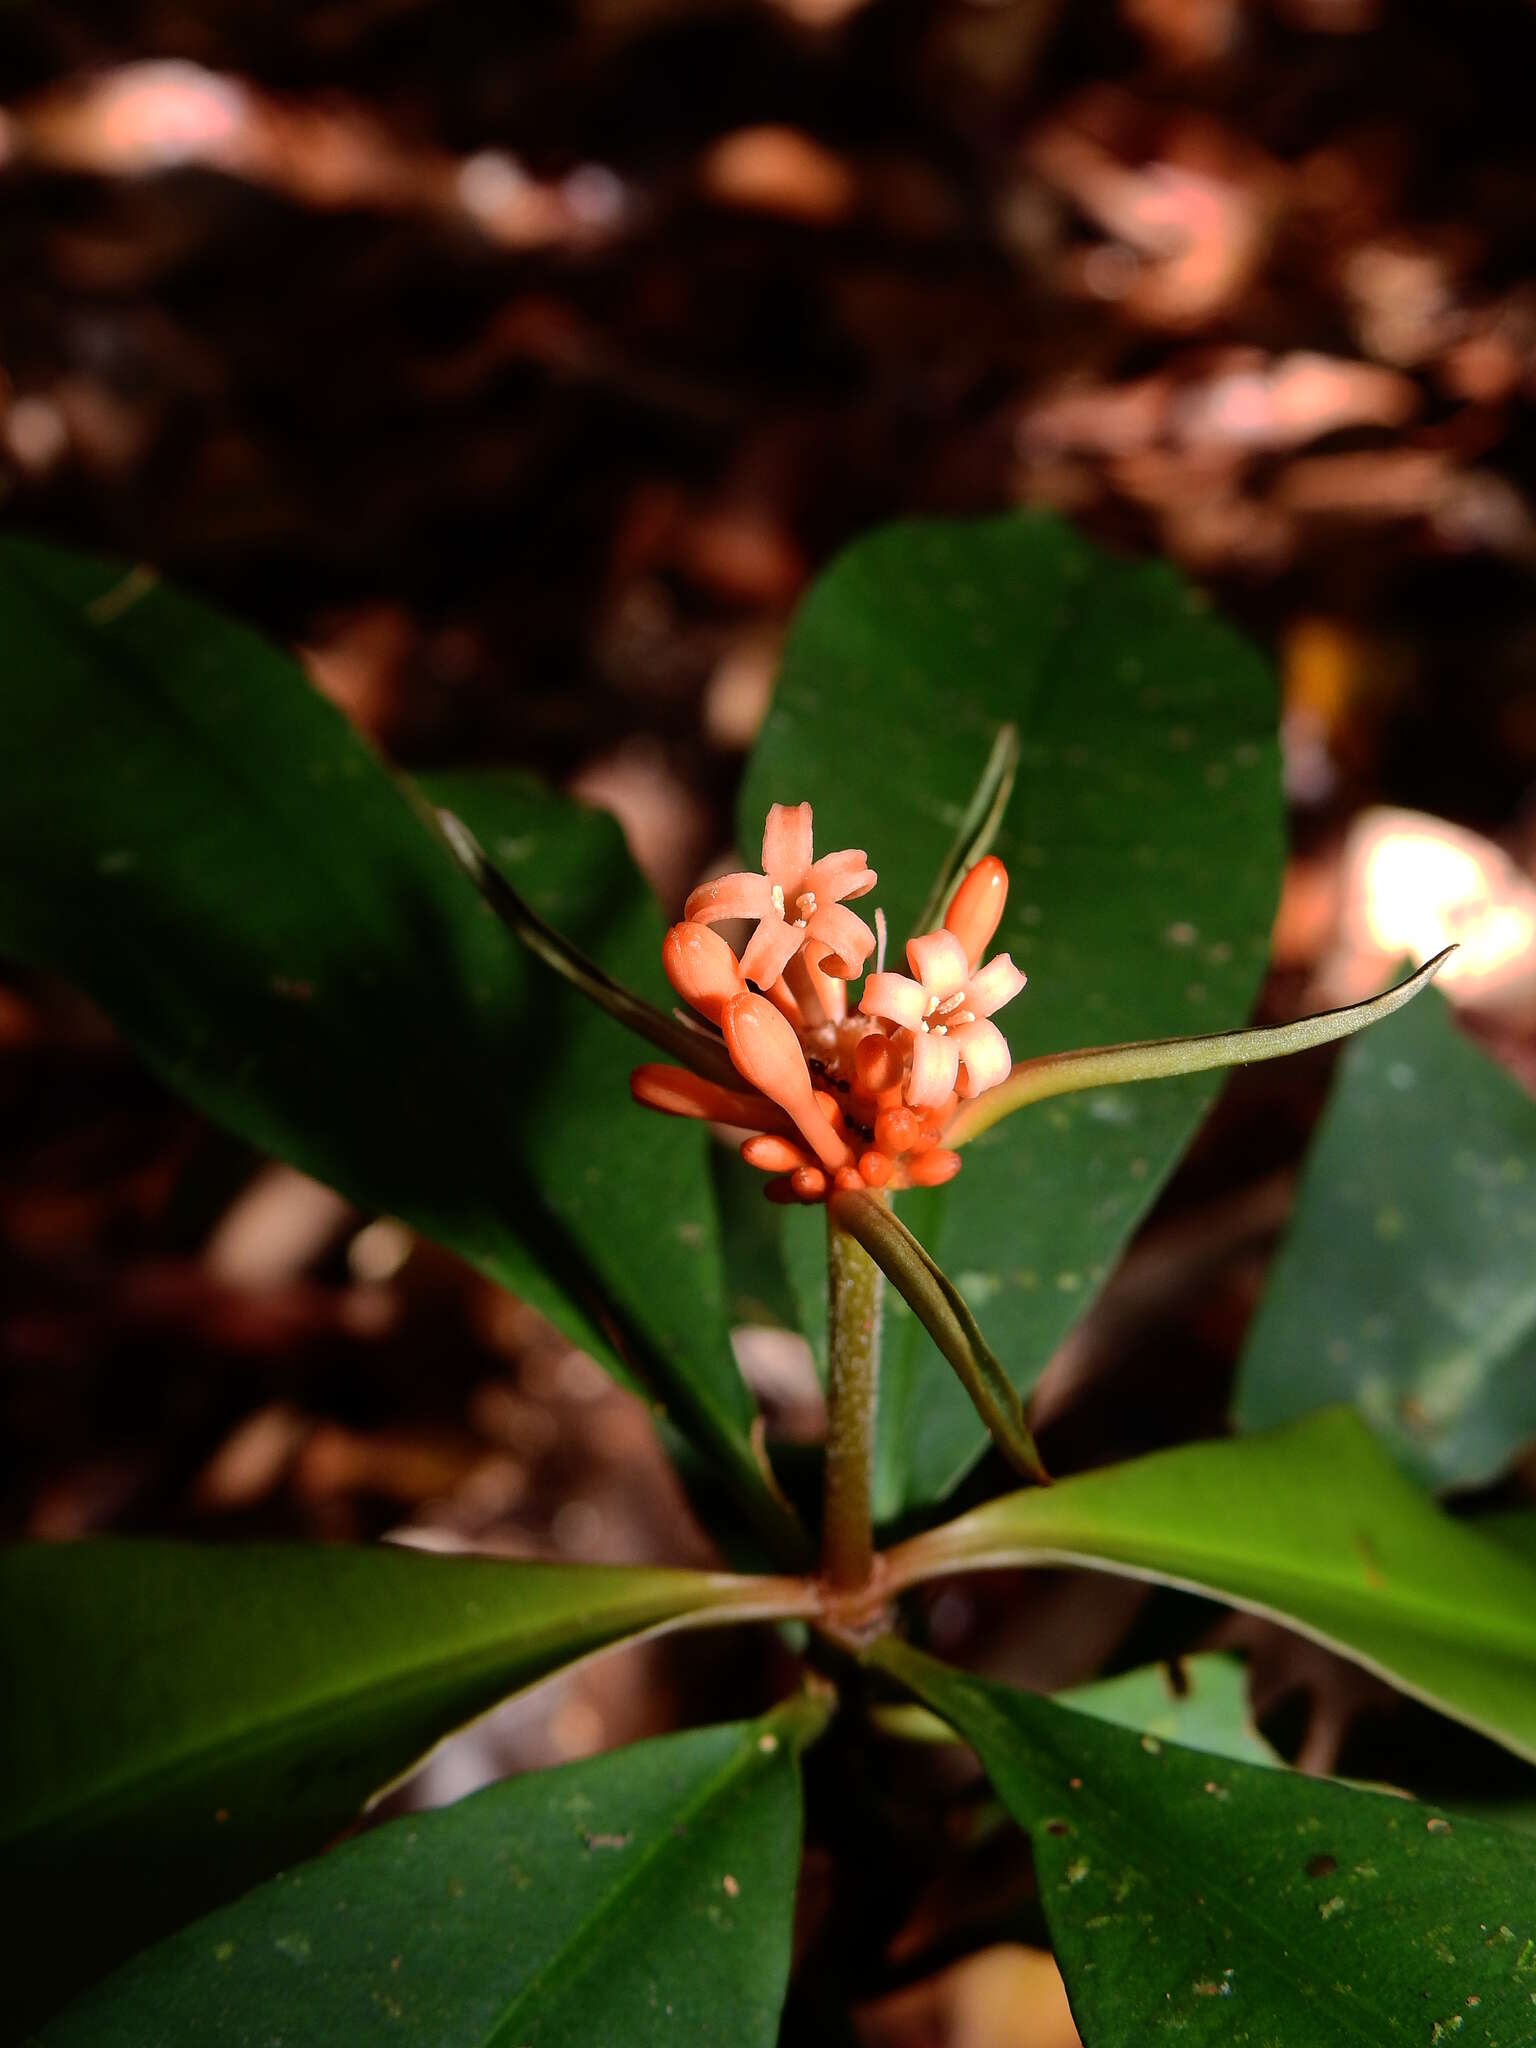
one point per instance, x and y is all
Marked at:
(847, 938)
(896, 998)
(984, 1056)
(831, 987)
(837, 876)
(935, 1063)
(787, 845)
(995, 984)
(730, 896)
(938, 960)
(770, 949)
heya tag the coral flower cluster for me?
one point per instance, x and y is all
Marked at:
(837, 1095)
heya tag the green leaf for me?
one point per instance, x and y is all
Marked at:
(1313, 1525)
(1514, 1529)
(1143, 841)
(193, 836)
(645, 1896)
(1192, 1896)
(1407, 1282)
(1206, 1709)
(185, 1719)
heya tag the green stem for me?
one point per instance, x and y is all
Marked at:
(856, 1288)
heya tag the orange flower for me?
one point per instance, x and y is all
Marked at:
(796, 901)
(833, 1101)
(947, 1009)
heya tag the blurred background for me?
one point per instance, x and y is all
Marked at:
(521, 370)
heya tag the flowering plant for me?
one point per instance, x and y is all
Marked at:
(430, 994)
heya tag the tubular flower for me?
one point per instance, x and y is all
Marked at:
(797, 903)
(832, 1100)
(947, 1010)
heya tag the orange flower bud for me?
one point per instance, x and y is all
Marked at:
(977, 909)
(932, 1168)
(702, 968)
(765, 1051)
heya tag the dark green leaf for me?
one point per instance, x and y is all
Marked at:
(1143, 841)
(181, 1720)
(1514, 1529)
(1407, 1283)
(1207, 1708)
(200, 842)
(1195, 1897)
(646, 1896)
(1313, 1525)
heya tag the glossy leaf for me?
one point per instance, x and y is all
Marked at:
(1313, 1525)
(1207, 1709)
(1143, 841)
(645, 1896)
(201, 843)
(184, 1719)
(1194, 1897)
(1407, 1282)
(1202, 1703)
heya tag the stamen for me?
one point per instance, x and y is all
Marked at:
(778, 899)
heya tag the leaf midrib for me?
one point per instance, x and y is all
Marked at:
(588, 1932)
(399, 1690)
(1239, 1908)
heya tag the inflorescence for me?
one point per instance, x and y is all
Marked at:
(837, 1097)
